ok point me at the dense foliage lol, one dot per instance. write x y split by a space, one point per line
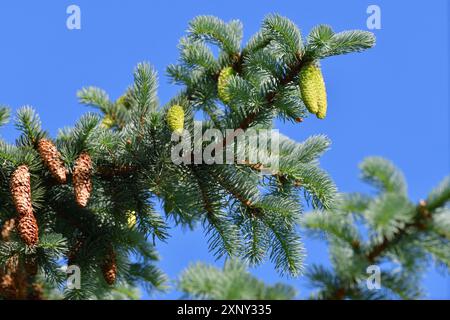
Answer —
72 198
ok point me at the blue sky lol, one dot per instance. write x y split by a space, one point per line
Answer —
390 101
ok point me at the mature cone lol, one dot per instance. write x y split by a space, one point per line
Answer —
109 268
82 182
8 288
28 229
12 265
312 87
74 250
222 83
13 282
175 118
7 228
21 285
52 159
21 190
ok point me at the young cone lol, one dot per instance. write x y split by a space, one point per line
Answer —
109 268
175 118
222 83
131 219
312 87
107 122
82 182
52 159
124 100
20 186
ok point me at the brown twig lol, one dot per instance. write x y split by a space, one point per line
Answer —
246 202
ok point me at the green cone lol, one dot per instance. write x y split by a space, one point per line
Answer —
312 87
175 118
222 82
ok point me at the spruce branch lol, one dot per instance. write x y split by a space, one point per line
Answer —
201 281
124 156
399 232
5 113
374 255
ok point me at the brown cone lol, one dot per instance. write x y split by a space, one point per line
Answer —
13 280
20 186
52 159
36 292
73 252
8 288
82 183
109 269
13 283
28 229
21 284
12 265
8 227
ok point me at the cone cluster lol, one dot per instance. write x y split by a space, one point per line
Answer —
175 118
52 159
14 282
312 87
224 77
20 186
109 268
82 182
